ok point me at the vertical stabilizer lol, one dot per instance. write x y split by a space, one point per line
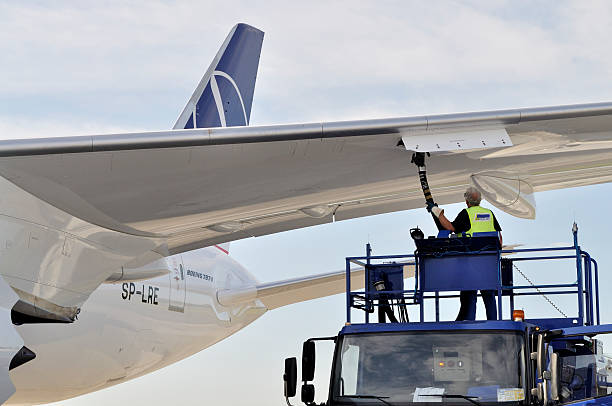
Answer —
224 96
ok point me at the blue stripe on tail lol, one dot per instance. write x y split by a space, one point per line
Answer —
225 94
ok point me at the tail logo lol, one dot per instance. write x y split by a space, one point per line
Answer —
217 95
224 95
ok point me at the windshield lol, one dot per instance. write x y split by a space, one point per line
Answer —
424 367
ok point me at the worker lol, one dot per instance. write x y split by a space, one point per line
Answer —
474 219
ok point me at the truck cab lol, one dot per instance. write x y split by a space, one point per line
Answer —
511 360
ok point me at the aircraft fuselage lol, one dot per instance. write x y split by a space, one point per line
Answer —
128 329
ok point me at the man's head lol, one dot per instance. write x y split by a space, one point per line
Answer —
472 196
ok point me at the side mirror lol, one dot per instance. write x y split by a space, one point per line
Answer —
554 376
308 393
308 361
290 377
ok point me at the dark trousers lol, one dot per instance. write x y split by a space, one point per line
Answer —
467 311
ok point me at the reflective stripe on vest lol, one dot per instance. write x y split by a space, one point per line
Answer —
481 220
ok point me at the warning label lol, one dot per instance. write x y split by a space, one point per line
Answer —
510 394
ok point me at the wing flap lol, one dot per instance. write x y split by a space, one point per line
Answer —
465 139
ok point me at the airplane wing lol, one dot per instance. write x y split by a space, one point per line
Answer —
199 187
282 293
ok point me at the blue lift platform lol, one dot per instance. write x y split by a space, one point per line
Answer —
442 265
514 360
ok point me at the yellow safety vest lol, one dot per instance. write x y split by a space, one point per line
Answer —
481 220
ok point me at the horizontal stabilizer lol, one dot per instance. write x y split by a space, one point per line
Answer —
289 291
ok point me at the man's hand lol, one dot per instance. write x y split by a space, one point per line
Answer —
430 205
437 211
433 208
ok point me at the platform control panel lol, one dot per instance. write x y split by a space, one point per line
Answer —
452 363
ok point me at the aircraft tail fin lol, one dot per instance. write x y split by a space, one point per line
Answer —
224 96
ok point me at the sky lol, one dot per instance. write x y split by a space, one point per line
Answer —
90 67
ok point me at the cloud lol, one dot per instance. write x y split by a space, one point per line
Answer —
320 61
17 128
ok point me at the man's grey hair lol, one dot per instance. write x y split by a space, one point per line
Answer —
472 196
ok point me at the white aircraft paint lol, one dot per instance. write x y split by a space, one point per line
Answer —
56 256
119 336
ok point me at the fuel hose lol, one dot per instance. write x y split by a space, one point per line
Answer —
418 158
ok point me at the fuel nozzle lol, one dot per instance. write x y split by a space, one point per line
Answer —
418 158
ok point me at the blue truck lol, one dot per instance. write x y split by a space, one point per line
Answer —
512 360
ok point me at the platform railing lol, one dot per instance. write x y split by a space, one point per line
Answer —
586 287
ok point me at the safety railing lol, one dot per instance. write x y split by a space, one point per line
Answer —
384 279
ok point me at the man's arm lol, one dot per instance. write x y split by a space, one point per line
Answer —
498 229
444 222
